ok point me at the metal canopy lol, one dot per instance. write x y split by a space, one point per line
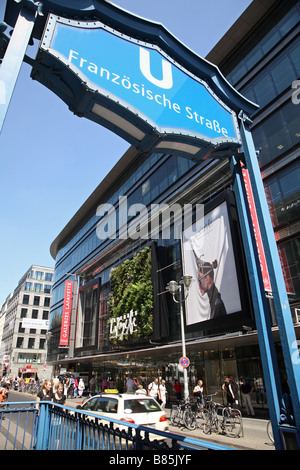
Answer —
57 75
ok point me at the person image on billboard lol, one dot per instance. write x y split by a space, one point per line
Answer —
207 286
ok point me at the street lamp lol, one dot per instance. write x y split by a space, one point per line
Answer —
183 287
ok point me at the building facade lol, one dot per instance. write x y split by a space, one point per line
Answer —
26 314
124 321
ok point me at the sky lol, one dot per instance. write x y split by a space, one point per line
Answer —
51 161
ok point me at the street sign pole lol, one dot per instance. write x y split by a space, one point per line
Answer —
13 58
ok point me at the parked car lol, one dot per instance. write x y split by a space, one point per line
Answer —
136 409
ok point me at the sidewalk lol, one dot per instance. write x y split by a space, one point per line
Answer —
254 432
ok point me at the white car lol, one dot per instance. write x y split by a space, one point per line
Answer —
136 409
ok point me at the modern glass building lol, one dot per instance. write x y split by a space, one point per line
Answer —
123 320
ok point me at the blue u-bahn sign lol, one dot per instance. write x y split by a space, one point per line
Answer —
142 80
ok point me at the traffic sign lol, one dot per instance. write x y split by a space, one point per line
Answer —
184 361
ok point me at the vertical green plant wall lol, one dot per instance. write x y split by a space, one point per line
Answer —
132 290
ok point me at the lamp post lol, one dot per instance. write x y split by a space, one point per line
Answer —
183 287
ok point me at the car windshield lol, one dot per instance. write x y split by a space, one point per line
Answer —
141 405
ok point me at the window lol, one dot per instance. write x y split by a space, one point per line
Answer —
21 329
289 253
36 300
38 287
34 313
38 275
25 299
47 302
28 286
31 342
42 343
283 196
47 289
49 277
278 133
277 77
45 315
23 312
20 341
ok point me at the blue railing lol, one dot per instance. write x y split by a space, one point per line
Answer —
57 427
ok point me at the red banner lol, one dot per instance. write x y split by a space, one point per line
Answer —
258 239
66 316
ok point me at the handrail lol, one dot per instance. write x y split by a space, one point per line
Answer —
51 415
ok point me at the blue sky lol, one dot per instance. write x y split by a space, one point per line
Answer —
51 160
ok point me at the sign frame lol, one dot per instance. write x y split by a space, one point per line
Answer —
123 118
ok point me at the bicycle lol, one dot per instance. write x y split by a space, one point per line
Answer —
182 415
219 417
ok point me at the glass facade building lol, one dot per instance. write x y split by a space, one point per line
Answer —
262 67
266 69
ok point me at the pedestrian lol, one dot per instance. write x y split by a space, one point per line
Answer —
140 390
46 393
177 389
259 388
55 383
75 387
246 389
227 388
66 383
4 391
81 387
130 386
153 389
92 385
163 394
198 394
104 385
58 395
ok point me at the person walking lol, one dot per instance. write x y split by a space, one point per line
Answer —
81 387
162 394
227 388
246 389
46 394
153 389
177 389
198 394
130 386
58 395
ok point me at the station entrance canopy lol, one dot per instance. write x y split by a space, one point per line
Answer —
134 77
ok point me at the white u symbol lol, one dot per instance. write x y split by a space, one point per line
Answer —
167 80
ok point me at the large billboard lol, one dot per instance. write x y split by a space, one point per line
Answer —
208 256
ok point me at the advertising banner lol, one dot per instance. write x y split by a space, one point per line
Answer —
208 256
66 315
257 234
35 323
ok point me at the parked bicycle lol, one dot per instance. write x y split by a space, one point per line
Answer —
182 415
220 418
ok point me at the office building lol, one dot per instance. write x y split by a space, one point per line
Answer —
26 314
